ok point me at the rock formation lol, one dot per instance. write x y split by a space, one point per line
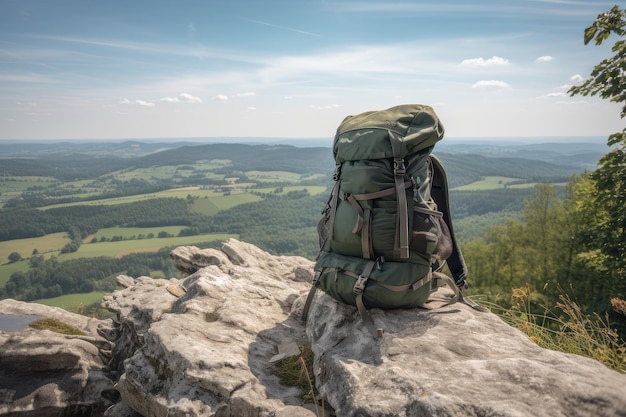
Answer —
45 373
208 345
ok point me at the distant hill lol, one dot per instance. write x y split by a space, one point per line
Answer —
465 162
248 157
583 155
465 168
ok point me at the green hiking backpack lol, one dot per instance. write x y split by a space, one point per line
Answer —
385 233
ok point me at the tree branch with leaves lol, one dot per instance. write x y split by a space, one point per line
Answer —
608 81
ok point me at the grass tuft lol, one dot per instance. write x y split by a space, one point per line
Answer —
297 371
570 331
56 326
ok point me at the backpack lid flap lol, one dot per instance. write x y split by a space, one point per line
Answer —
376 134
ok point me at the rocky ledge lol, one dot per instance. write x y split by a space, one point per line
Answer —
209 344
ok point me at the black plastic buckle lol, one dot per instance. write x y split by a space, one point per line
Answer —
399 169
359 286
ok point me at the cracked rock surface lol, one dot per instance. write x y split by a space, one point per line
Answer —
205 344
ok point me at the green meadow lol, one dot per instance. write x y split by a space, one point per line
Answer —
132 232
312 189
73 302
125 247
45 244
494 183
6 270
52 244
273 176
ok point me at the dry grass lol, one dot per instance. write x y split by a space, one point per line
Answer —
297 371
571 330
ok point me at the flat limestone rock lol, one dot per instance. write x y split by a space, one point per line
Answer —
454 361
44 373
207 344
207 352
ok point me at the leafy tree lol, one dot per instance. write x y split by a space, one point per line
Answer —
608 77
20 280
15 257
608 81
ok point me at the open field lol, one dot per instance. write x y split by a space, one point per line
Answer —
50 243
72 302
125 247
110 249
7 270
273 176
132 232
494 183
312 189
222 201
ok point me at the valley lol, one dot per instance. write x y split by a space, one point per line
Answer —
113 201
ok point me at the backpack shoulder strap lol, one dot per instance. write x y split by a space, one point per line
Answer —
440 195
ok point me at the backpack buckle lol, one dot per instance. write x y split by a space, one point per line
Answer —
398 167
359 286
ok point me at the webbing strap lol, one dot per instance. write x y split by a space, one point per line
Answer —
450 282
396 288
359 287
403 213
363 223
367 245
376 194
379 194
311 296
358 226
363 226
333 209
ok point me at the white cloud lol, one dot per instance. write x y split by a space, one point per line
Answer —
221 97
246 94
182 98
545 58
144 103
490 84
139 102
552 95
252 108
576 78
565 87
494 61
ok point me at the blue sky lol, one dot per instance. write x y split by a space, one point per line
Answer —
295 68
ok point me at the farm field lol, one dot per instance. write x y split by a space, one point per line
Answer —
110 249
72 302
311 189
125 247
45 244
7 269
494 183
131 233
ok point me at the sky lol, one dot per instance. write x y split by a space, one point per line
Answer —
146 69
